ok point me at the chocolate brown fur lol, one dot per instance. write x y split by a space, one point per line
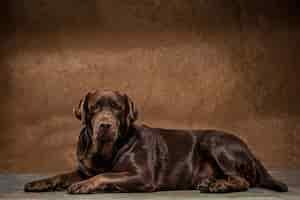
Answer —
117 156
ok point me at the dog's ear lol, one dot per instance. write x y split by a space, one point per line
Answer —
77 110
84 141
81 110
131 110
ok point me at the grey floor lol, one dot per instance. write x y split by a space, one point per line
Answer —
11 187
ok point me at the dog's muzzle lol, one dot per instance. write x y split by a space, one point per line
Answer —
105 126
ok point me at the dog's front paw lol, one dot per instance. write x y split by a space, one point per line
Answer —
83 187
38 186
219 187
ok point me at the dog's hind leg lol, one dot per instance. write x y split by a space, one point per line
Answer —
230 184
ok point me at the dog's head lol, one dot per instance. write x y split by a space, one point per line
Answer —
105 117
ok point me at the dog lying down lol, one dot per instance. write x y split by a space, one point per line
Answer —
115 155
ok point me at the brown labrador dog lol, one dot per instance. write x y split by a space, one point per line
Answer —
117 156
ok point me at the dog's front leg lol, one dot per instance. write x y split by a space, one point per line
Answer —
55 183
118 182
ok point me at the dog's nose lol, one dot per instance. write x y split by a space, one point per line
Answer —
105 126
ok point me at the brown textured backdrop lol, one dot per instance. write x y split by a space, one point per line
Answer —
231 65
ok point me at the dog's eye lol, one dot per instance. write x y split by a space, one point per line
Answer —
115 105
95 109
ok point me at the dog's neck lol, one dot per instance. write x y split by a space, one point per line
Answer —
95 163
123 138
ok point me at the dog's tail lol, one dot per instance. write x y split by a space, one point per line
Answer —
265 180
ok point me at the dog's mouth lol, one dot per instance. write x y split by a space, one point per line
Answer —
106 135
106 140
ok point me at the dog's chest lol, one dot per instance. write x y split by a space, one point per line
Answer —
93 166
